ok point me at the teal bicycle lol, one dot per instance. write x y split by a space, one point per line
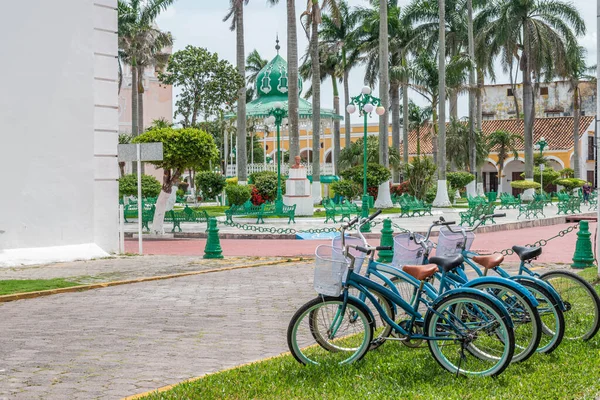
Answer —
468 331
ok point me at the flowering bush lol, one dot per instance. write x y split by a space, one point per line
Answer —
256 198
399 189
373 191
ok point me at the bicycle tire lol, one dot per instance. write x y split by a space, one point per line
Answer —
550 314
577 311
494 337
527 323
346 347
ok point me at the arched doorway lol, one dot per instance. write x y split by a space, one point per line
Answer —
306 155
489 177
512 172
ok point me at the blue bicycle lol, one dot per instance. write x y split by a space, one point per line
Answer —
468 331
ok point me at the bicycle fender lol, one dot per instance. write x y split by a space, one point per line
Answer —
463 290
517 287
545 285
367 308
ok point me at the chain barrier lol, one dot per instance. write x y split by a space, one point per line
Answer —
541 242
289 231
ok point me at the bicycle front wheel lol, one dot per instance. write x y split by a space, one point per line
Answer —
582 315
325 330
473 336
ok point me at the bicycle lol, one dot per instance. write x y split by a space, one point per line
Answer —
580 302
468 331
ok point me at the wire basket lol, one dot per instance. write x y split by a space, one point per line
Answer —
359 256
331 268
406 251
451 243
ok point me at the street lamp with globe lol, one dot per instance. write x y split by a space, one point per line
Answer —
541 145
277 115
365 103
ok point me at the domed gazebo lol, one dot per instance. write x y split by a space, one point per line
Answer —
271 89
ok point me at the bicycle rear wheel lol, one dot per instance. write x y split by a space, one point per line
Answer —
323 332
527 324
582 316
381 329
474 337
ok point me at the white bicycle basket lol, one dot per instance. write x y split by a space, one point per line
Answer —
331 268
406 251
359 256
451 243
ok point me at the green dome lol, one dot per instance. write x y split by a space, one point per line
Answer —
272 80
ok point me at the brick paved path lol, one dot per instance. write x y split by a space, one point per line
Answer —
124 340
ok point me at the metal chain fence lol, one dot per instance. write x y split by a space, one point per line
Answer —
541 242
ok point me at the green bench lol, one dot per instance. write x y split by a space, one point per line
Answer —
130 211
593 201
545 198
269 209
507 200
148 217
344 209
532 209
265 209
474 200
176 217
411 206
246 209
572 205
473 214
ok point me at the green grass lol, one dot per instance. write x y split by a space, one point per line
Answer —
213 211
33 285
394 371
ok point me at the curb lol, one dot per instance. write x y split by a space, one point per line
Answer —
197 378
81 288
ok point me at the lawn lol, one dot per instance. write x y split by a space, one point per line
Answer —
33 285
394 371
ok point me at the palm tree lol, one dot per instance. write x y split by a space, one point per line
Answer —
137 37
577 71
537 35
338 36
459 146
472 135
417 118
236 14
311 19
353 155
254 64
503 143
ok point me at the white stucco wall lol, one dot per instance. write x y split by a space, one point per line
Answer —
58 118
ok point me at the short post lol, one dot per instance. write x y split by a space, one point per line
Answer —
584 256
213 244
387 239
121 229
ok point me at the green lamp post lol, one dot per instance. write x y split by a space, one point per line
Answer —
366 104
541 145
276 116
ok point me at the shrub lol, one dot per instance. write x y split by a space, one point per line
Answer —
255 175
346 188
238 194
550 175
180 193
419 173
266 184
431 193
376 175
232 181
256 198
399 189
459 180
151 187
570 183
567 173
525 185
211 184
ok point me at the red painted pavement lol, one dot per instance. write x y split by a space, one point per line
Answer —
557 250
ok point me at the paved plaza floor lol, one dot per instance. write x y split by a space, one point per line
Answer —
123 340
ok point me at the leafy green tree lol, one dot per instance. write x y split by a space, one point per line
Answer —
503 143
420 172
353 155
376 175
210 183
182 149
348 189
141 45
128 186
570 183
238 194
254 64
459 180
458 144
206 83
550 176
417 118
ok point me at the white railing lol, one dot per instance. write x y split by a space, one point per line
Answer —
326 169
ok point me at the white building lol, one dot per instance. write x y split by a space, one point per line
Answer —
59 123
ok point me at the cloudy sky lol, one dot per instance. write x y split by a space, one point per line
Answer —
200 23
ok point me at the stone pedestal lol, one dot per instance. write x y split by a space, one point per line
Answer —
297 191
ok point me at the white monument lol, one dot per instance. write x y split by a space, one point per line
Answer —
297 190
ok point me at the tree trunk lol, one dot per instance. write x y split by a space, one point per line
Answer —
433 135
527 106
122 169
478 99
336 126
405 121
441 197
472 83
241 159
395 109
161 203
453 104
293 95
347 126
140 83
134 108
316 105
576 114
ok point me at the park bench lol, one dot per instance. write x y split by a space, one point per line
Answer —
545 198
176 217
130 211
507 200
572 205
148 217
474 200
474 214
411 206
269 209
246 209
345 209
593 201
532 209
561 196
192 215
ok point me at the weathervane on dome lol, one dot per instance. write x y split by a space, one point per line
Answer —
277 47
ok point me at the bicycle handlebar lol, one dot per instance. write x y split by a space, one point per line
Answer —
376 213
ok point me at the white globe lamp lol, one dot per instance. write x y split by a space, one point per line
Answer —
368 108
351 108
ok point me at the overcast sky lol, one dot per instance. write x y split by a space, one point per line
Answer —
199 23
